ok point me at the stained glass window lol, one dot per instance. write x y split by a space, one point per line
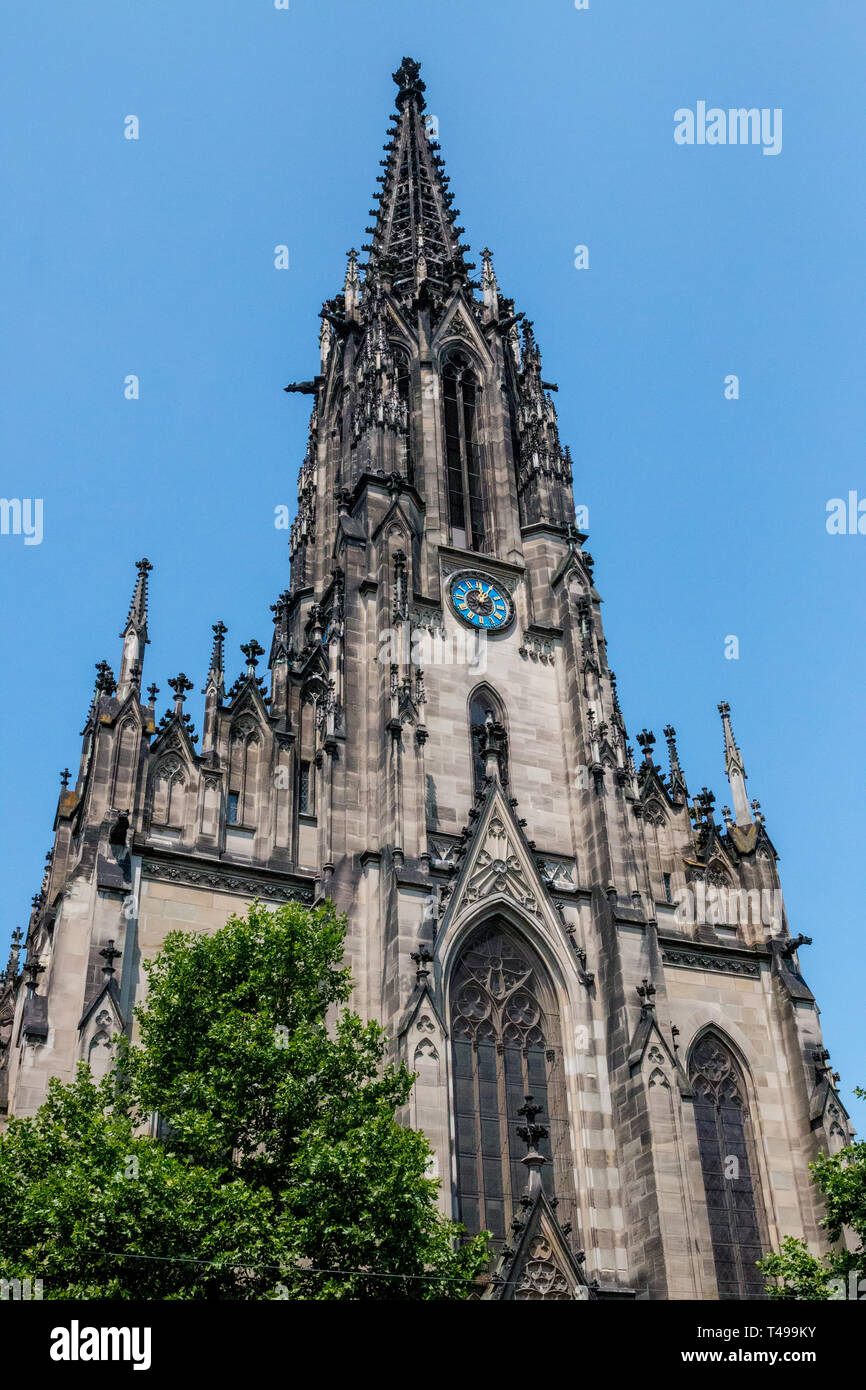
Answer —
506 1044
728 1158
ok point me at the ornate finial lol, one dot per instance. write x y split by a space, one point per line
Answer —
530 1132
152 692
646 738
646 990
110 954
33 970
410 84
105 682
705 801
252 651
64 778
422 958
180 684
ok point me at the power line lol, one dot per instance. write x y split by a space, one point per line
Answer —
301 1269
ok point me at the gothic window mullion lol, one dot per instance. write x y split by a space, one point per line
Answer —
479 1136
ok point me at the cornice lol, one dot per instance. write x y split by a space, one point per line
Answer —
223 878
725 960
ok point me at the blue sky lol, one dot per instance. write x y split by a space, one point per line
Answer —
261 127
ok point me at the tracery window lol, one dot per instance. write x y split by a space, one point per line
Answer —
729 1162
463 453
506 1044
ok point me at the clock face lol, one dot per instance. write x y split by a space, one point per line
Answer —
481 602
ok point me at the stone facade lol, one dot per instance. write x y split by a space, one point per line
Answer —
522 895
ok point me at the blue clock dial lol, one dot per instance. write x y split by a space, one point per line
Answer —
481 602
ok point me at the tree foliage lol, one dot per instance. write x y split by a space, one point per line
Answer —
280 1142
95 1210
793 1272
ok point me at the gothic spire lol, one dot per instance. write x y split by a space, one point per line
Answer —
134 634
489 286
414 238
735 770
677 780
214 689
216 673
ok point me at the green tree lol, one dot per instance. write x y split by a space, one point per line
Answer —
281 1157
794 1273
96 1211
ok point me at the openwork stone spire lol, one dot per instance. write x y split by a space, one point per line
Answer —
415 239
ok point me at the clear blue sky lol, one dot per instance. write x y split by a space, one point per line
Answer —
259 127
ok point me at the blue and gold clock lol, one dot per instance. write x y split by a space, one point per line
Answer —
481 602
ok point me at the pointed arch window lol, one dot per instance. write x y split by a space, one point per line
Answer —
728 1156
168 793
243 774
506 1043
403 383
486 722
461 393
99 1056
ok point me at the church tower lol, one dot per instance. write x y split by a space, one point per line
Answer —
619 1063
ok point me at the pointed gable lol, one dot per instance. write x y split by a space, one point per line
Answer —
540 1265
498 865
